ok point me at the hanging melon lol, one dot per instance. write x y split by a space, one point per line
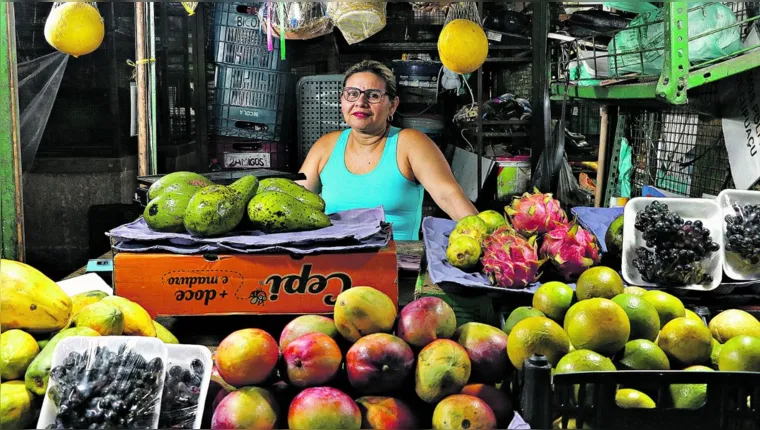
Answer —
74 28
462 46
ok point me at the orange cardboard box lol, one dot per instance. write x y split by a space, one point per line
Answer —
225 284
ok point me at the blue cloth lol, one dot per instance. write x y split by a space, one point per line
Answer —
385 186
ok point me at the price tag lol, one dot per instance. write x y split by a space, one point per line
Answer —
247 160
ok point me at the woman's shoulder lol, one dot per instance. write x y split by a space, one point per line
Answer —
326 143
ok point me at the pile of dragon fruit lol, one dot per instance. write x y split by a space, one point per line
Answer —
538 231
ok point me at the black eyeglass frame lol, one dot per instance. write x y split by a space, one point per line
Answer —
366 93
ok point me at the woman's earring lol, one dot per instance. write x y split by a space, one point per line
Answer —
390 118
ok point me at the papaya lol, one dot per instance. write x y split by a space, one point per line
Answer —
214 211
83 299
16 410
167 212
178 182
30 300
164 334
360 311
246 186
277 212
17 350
137 321
38 373
104 318
290 187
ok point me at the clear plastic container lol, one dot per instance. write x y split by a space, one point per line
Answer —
704 210
111 379
733 265
182 407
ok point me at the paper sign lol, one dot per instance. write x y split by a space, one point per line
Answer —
741 127
247 160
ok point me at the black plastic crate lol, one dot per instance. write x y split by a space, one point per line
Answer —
251 103
732 399
240 40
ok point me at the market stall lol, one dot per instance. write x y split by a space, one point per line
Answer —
585 287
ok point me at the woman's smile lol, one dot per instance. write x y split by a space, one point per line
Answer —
361 115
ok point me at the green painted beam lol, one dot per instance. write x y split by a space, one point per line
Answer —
646 90
11 205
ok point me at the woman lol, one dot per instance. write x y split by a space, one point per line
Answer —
374 164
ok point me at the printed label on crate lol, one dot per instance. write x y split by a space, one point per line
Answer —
247 160
253 115
206 286
496 37
172 284
244 16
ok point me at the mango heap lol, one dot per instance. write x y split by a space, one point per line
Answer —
186 201
359 370
36 315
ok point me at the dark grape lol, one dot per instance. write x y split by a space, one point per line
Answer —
741 232
678 247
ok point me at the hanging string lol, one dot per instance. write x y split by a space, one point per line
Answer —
282 30
270 47
134 64
190 7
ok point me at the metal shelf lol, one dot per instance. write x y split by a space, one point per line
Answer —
648 90
677 77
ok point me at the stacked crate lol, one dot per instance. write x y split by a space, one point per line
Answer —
252 112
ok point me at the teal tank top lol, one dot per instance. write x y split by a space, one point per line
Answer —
384 186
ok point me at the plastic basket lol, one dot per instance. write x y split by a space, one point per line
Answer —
239 39
250 103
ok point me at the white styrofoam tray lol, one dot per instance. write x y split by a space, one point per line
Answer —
183 355
705 210
148 347
733 267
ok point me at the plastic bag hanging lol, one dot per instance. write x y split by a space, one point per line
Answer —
190 7
74 28
38 84
281 9
303 20
358 20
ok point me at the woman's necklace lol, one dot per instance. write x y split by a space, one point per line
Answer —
367 157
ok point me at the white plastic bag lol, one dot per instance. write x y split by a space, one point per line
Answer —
647 33
358 20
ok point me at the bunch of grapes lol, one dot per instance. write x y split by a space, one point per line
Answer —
677 247
106 389
743 233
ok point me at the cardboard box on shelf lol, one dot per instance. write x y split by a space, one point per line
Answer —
227 284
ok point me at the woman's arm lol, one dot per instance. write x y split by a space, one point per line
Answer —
432 170
313 164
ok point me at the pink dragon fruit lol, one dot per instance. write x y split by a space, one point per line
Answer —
571 249
535 214
510 260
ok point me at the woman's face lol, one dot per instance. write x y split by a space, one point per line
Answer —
368 113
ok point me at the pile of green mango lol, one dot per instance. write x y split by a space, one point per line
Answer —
187 201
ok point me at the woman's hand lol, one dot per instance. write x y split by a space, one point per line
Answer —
432 170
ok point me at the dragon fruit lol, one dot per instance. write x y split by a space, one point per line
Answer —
535 214
510 260
571 249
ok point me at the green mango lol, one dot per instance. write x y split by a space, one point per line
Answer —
214 210
289 187
247 186
167 212
178 182
38 373
276 212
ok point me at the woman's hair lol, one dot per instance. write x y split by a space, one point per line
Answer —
378 69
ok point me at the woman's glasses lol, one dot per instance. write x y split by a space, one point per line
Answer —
353 94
